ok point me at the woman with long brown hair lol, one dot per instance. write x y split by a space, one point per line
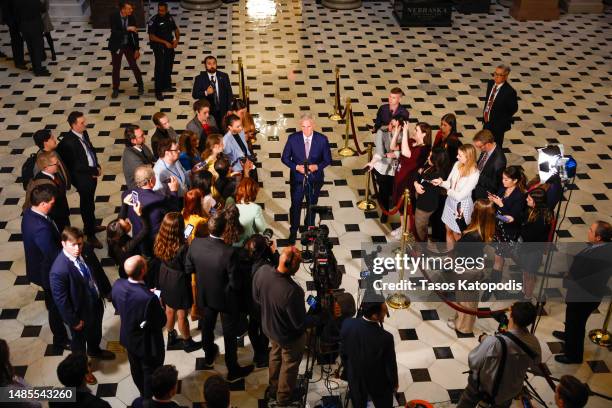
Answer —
233 230
214 148
188 143
170 248
480 231
459 185
251 215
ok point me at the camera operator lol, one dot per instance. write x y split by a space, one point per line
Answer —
283 317
258 250
499 363
368 354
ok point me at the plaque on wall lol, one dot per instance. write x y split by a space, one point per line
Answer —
423 13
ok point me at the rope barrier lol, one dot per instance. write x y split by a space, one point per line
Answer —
354 132
392 211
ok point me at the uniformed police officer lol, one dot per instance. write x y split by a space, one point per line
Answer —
161 28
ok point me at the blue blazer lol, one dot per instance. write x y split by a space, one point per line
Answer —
41 244
232 150
294 154
70 291
136 304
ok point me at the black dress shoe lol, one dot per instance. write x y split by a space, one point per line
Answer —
42 73
239 373
115 93
209 360
62 346
100 228
559 334
102 355
21 66
159 97
563 359
292 237
190 346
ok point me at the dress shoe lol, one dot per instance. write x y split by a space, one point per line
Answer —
563 359
559 334
93 241
261 363
91 379
209 360
115 93
100 228
190 346
62 346
239 373
102 355
292 237
21 66
174 343
42 73
159 96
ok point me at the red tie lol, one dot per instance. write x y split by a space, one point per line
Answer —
490 103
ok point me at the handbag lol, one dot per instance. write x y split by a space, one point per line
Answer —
196 313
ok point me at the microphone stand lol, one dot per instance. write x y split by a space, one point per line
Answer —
306 252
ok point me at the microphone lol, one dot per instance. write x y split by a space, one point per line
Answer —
305 167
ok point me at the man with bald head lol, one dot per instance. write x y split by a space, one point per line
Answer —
142 322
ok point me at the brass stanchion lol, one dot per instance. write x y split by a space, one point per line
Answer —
367 204
602 337
336 115
399 300
247 98
241 84
347 151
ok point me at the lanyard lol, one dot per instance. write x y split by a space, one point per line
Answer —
176 174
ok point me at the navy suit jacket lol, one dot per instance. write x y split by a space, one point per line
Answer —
200 85
136 304
41 244
504 107
70 291
384 115
294 154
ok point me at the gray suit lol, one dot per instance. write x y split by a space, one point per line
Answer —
133 158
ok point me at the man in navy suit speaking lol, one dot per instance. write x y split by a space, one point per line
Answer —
306 153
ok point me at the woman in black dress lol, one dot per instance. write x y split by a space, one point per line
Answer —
170 248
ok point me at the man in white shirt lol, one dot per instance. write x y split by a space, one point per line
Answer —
168 166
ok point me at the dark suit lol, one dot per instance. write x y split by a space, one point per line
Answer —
9 18
368 353
216 267
28 14
294 154
84 398
384 115
122 42
504 107
60 213
83 175
588 280
41 244
145 345
491 174
76 301
133 158
220 102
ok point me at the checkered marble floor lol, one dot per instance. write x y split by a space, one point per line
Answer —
560 70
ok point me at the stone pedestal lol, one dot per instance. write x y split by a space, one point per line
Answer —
341 4
523 10
582 6
101 11
200 4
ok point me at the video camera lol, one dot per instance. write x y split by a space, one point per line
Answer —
325 271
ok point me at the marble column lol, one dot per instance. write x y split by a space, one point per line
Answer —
200 4
341 4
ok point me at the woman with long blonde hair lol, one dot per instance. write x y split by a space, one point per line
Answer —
170 248
459 185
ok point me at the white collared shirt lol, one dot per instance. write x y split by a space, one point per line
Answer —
74 262
308 139
135 281
90 159
214 76
496 93
40 213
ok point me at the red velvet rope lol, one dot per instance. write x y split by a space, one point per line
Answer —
359 151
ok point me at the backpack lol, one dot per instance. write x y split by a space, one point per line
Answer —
27 170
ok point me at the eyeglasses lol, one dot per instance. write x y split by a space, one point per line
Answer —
495 74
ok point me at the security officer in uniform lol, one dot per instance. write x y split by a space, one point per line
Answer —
161 27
